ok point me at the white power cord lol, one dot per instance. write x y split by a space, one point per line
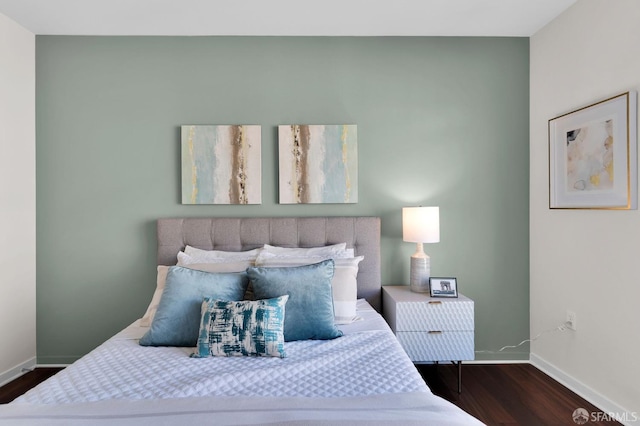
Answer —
561 327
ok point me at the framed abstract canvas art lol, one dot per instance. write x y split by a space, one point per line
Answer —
318 164
221 164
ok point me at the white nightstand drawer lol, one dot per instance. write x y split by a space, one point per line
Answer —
438 315
439 346
405 310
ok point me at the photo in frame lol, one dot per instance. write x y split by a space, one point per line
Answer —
443 287
593 156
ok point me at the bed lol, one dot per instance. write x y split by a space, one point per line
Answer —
359 376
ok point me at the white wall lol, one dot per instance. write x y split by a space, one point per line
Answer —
585 260
17 200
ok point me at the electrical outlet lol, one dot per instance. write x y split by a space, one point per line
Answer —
571 320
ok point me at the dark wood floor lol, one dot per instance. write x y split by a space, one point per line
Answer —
507 394
14 389
504 394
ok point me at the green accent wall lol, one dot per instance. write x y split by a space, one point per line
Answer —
441 121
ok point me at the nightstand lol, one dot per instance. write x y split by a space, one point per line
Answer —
431 329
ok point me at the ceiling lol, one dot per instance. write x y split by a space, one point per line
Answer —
285 17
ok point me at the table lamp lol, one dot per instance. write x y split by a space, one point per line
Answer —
420 225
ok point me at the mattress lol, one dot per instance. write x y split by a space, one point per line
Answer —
363 376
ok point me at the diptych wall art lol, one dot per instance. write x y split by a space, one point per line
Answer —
593 156
221 165
318 164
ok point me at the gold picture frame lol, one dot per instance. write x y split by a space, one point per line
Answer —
593 156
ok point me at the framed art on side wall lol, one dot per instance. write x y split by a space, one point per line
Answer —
593 156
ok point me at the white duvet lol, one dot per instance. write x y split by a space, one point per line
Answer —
362 376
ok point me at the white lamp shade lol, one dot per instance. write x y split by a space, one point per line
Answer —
421 224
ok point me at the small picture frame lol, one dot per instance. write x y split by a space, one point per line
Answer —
443 287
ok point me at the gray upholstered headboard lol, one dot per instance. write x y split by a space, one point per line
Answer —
239 234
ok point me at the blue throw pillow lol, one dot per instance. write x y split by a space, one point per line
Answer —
249 327
309 311
177 319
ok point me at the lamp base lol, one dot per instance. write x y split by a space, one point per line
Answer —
420 273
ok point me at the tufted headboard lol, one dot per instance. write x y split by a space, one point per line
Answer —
239 234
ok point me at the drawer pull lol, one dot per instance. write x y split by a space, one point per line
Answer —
435 302
435 332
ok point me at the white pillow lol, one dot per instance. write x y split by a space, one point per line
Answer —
185 259
317 256
344 284
205 255
303 252
161 278
145 321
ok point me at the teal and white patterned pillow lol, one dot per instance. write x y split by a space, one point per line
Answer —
244 328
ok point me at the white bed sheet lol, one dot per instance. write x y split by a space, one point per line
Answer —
364 375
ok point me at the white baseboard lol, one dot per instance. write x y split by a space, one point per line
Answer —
603 403
52 365
17 371
496 361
